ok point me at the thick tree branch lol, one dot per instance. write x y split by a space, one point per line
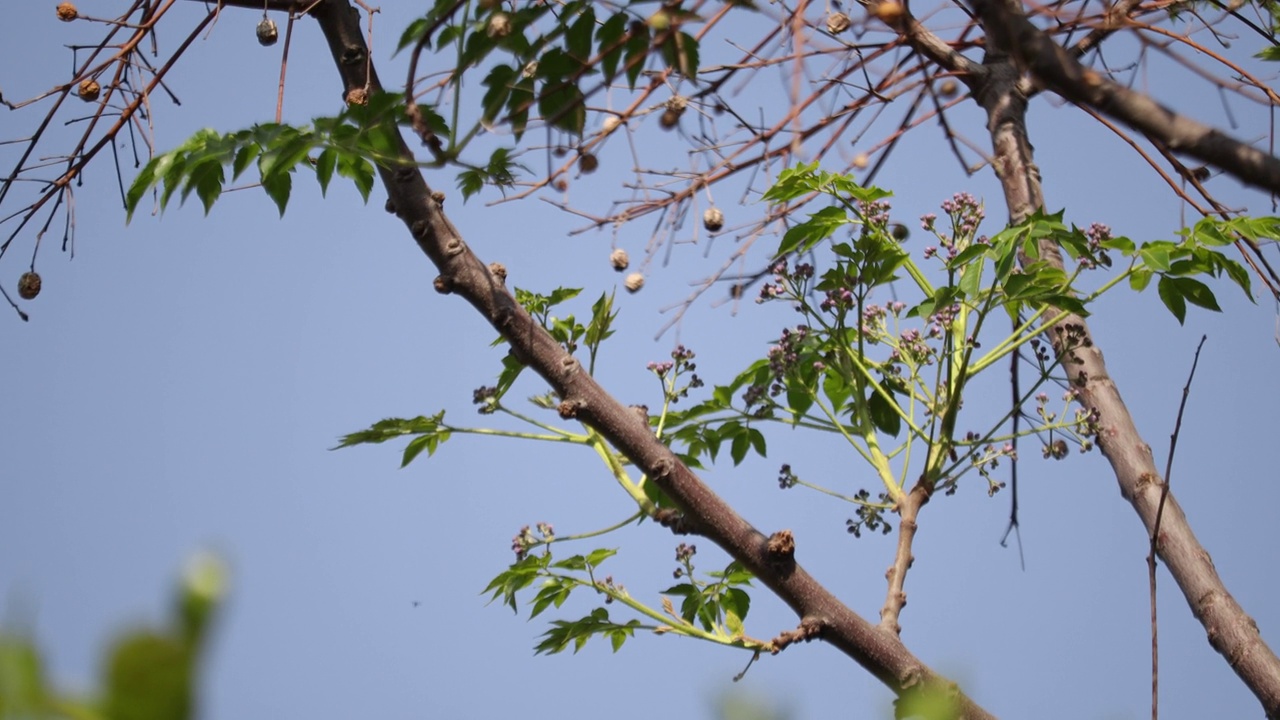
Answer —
462 273
1231 632
1009 30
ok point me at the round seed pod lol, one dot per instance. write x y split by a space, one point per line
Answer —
587 163
948 88
634 282
67 12
89 90
861 161
267 32
837 23
713 219
889 12
619 259
669 119
499 25
29 285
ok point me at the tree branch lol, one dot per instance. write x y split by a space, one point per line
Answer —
1231 631
1009 30
462 273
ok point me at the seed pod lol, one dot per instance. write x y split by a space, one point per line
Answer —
89 90
267 32
67 12
670 118
29 285
713 219
634 282
888 11
948 88
899 231
610 123
619 259
587 163
861 161
837 23
499 25
561 184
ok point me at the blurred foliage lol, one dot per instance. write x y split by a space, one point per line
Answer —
147 673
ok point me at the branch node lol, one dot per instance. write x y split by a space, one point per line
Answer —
442 284
499 271
673 520
810 629
405 174
453 247
568 409
419 229
389 206
352 55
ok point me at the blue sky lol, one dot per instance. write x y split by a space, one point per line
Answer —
182 379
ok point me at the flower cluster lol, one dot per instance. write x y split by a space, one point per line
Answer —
487 398
786 283
965 213
786 478
527 538
669 371
871 515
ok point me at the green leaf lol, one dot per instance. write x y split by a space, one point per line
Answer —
149 677
609 36
1171 295
1140 278
884 414
564 106
278 186
1196 292
324 167
577 39
821 225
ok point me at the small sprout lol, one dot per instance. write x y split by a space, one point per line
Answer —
837 22
713 219
861 161
67 12
587 163
619 259
499 25
634 282
267 32
29 285
948 88
89 90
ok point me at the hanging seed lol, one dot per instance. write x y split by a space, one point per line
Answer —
89 90
861 161
947 88
837 23
267 32
29 285
713 219
587 163
67 12
619 259
634 282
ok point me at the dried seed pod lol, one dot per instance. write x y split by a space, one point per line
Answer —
634 282
861 161
89 90
29 285
888 11
713 219
561 184
838 22
948 88
610 123
670 118
67 12
499 25
587 163
267 32
358 96
619 259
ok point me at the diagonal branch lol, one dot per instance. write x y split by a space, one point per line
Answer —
1009 29
1231 631
462 273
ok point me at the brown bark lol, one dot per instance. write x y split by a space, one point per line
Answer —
462 273
1230 630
